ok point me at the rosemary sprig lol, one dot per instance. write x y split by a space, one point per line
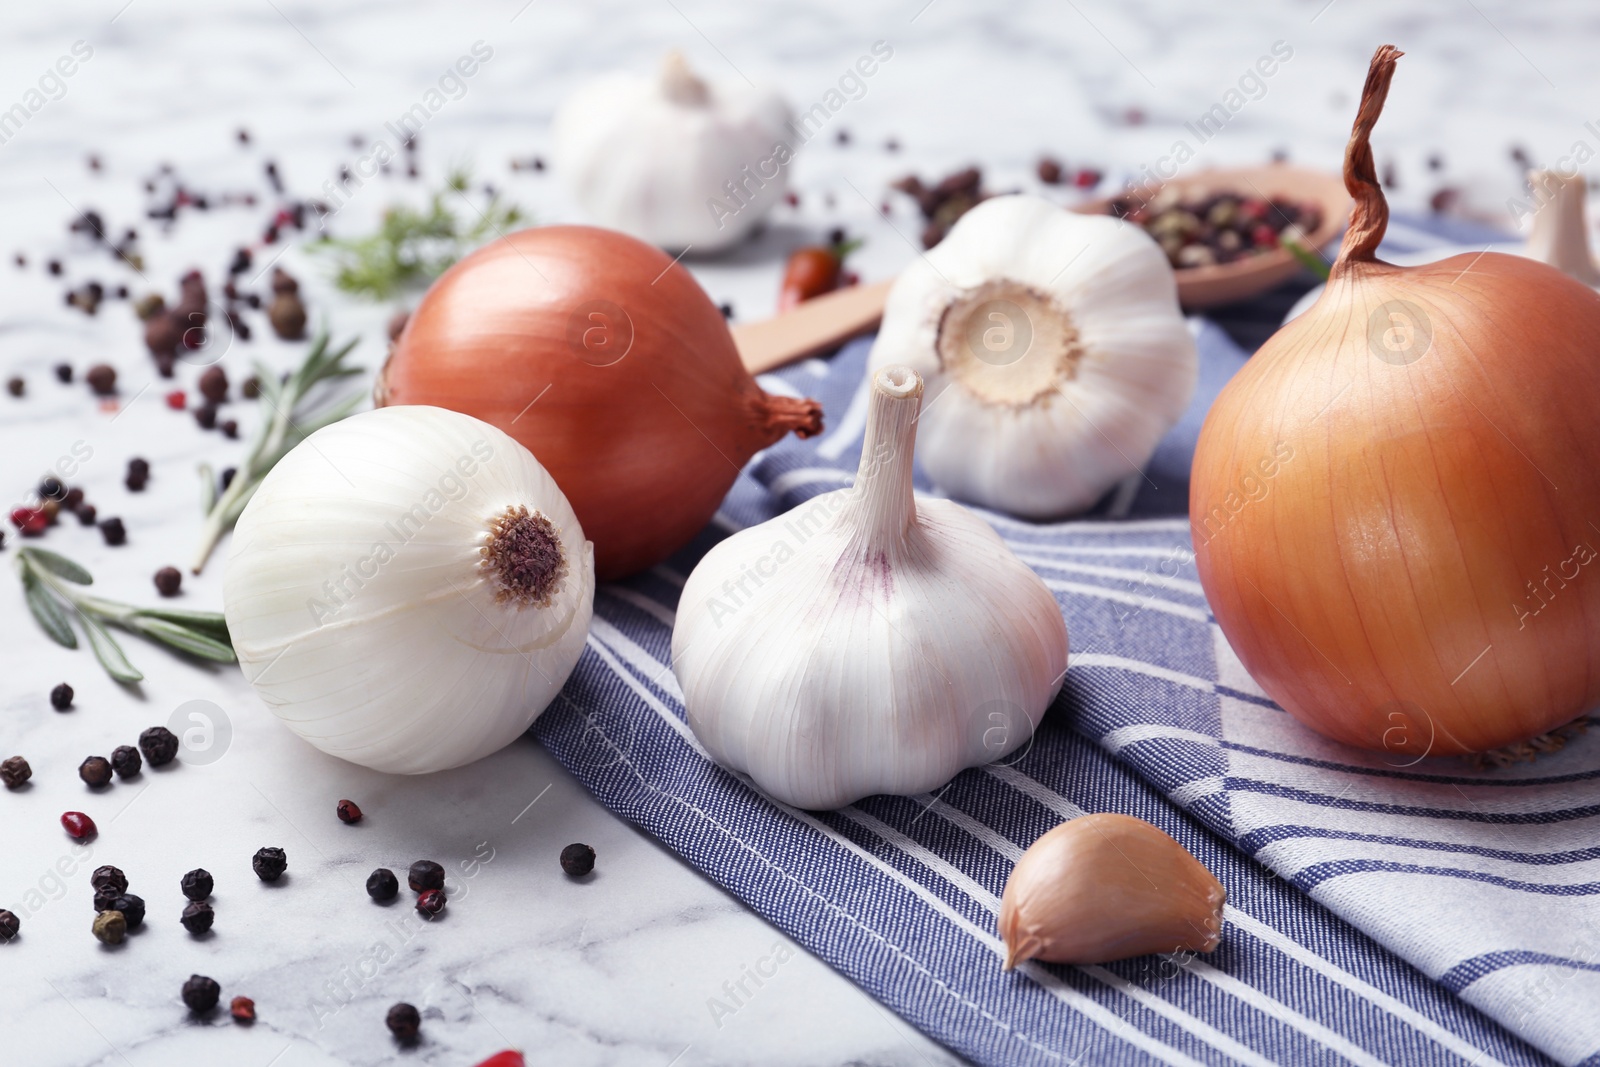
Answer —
292 418
50 583
414 246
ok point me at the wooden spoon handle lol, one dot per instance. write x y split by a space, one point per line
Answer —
817 325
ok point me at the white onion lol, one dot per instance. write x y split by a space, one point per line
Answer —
377 611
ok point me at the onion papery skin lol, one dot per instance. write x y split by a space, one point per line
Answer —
1376 583
643 416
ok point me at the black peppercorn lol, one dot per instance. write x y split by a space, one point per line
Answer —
52 489
132 909
197 917
159 745
168 581
86 514
138 474
106 899
229 428
214 384
16 386
348 812
269 864
200 993
114 532
206 416
430 903
110 927
102 379
404 1021
9 925
425 875
15 771
61 697
382 884
64 373
577 860
109 877
197 884
125 761
95 772
73 500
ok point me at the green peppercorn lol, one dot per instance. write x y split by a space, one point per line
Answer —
111 927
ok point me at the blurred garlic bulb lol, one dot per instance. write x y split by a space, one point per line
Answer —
674 160
1106 887
1054 351
408 589
1560 234
867 642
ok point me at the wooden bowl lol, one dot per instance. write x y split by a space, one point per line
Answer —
1228 283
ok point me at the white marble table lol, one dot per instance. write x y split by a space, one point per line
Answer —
623 968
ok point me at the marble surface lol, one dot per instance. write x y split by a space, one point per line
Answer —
637 964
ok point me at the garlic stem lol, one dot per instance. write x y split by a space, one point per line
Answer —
1560 234
882 509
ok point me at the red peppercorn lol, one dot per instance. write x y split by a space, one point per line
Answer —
348 812
1087 178
431 903
508 1058
1264 236
243 1010
176 400
31 521
77 825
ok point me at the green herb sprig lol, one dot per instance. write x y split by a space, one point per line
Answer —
1308 257
411 246
51 582
294 415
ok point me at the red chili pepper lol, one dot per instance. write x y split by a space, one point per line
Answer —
508 1058
77 825
810 272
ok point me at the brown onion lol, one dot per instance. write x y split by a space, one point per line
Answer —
606 359
1394 503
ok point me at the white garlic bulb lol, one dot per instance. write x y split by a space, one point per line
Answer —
408 589
867 641
1054 351
674 160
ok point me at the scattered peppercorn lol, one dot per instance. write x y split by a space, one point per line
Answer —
1049 171
197 884
61 697
77 824
16 386
197 917
176 400
577 860
727 310
50 509
425 875
138 473
269 864
287 313
382 884
14 772
251 388
53 266
95 772
132 909
159 745
110 927
106 899
430 904
243 1010
113 532
125 761
86 514
403 1022
109 877
168 581
200 993
206 416
9 925
229 428
214 384
348 812
73 500
30 522
102 379
64 373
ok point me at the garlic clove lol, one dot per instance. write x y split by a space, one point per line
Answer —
1560 234
1107 887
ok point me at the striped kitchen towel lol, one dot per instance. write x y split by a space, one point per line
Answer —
1427 914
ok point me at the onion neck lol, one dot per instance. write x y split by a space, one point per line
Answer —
778 415
1370 218
882 508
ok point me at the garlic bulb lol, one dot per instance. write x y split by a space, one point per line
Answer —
1560 234
408 589
866 642
1054 351
1107 887
674 160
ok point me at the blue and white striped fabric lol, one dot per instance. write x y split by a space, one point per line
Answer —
1435 914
